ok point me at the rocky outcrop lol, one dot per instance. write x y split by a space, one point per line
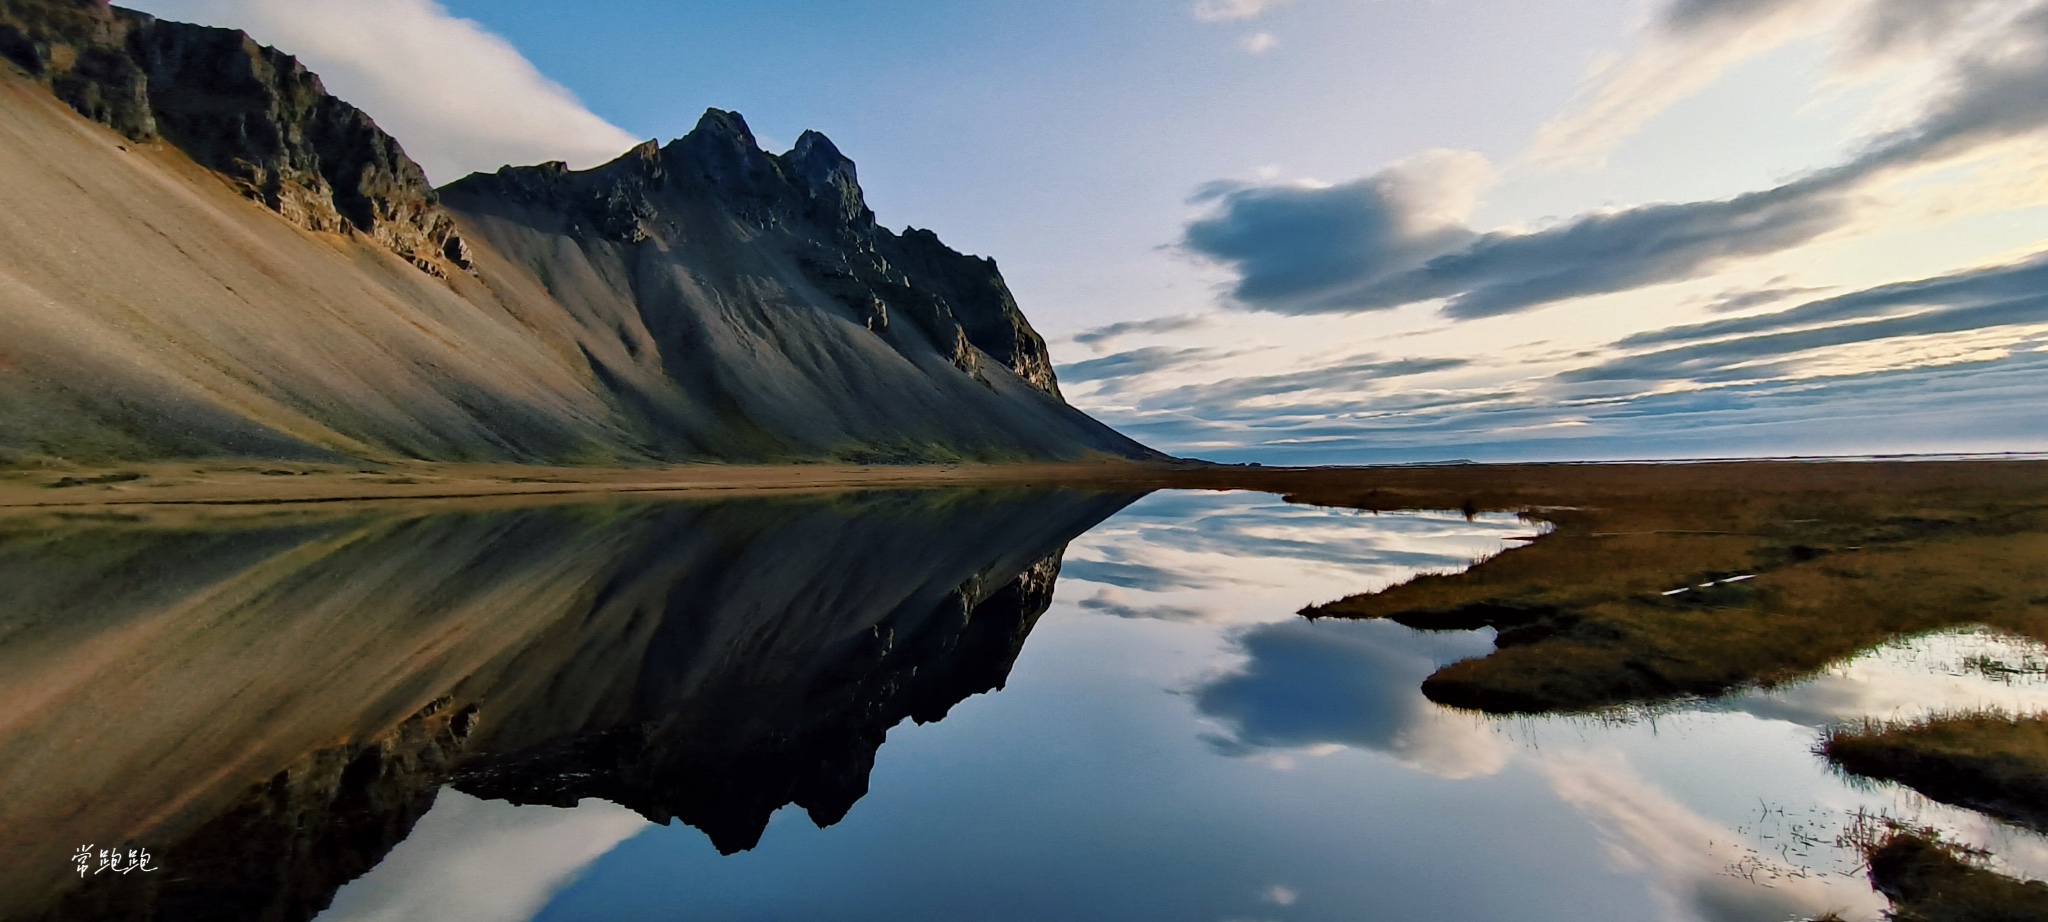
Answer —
808 204
251 113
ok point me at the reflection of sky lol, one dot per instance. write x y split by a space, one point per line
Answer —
1208 755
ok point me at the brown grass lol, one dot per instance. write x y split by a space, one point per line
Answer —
1845 557
1931 880
1994 763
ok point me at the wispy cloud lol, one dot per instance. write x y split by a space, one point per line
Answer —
1353 376
1952 362
1683 52
1235 10
1376 243
1100 336
457 96
1135 362
1261 42
1732 301
2021 288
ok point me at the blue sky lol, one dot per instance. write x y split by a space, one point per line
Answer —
1364 230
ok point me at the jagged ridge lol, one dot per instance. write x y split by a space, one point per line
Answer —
810 200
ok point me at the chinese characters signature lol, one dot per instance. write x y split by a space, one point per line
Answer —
116 860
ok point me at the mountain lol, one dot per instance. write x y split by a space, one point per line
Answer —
205 254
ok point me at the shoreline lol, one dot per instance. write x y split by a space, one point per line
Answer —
1505 487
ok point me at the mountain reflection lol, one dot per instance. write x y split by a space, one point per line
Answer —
270 703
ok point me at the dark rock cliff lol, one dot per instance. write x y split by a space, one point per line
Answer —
809 203
251 113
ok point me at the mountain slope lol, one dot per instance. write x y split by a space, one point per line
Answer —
206 255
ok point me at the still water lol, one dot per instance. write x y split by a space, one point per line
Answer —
890 706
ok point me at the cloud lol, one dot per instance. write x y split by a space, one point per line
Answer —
1905 387
458 97
1356 684
1134 362
1686 50
1351 375
1098 336
1355 247
1300 244
1385 241
1235 10
1889 27
1109 602
1142 577
1261 42
1975 300
1732 301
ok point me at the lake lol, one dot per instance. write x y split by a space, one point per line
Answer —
892 705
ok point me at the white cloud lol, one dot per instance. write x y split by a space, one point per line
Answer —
1679 56
1234 10
1261 43
458 97
1694 42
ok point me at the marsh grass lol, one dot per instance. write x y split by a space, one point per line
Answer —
1842 558
1989 761
1929 878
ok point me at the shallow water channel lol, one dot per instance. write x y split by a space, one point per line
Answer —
1171 741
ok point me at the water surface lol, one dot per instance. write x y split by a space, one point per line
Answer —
889 707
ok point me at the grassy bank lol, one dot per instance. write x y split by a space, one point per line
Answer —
1929 880
1667 581
1991 763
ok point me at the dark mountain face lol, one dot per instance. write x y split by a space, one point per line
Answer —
716 187
253 114
704 300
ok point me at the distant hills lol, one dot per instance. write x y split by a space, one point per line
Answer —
203 254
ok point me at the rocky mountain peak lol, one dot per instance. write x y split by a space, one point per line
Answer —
722 151
830 178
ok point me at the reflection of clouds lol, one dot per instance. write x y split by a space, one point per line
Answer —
1111 602
1308 685
1696 867
1908 679
1132 575
472 860
1230 553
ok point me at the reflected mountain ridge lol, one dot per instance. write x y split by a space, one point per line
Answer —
702 661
